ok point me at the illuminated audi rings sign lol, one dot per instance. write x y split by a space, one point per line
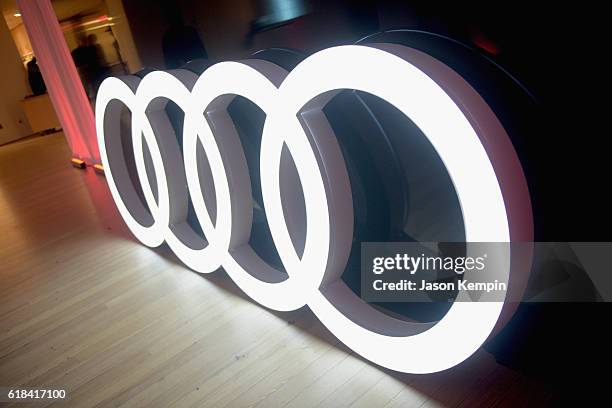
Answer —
460 126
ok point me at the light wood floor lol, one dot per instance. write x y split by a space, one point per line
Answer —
85 308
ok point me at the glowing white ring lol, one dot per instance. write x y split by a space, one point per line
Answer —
294 119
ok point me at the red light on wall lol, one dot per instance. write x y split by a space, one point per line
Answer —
485 43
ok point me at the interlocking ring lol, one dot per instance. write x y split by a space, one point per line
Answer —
458 123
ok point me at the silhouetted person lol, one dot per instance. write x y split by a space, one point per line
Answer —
35 78
89 62
181 43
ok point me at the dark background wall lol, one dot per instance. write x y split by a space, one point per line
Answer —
556 50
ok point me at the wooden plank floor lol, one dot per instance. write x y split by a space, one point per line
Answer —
85 308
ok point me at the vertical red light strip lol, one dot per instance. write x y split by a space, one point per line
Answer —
61 77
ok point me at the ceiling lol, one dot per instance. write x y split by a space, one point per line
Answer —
64 9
